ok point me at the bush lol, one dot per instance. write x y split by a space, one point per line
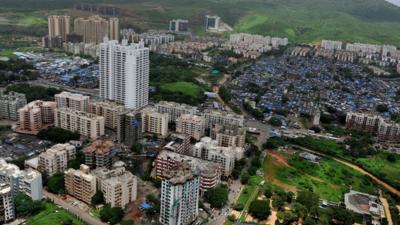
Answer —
55 184
34 92
111 215
217 197
97 198
58 135
25 206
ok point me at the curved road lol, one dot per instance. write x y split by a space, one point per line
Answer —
357 168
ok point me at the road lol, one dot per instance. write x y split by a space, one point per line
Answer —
73 209
46 83
387 210
357 168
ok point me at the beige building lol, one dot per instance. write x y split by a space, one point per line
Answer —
114 28
99 154
230 119
95 28
80 183
109 110
55 159
87 124
72 101
175 110
36 115
154 122
120 190
192 125
227 137
59 26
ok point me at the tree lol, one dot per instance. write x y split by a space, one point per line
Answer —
260 209
137 148
25 206
111 215
391 158
58 135
382 108
79 159
55 184
97 198
217 197
308 199
244 179
127 222
309 221
275 121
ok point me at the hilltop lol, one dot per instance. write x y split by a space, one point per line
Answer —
305 21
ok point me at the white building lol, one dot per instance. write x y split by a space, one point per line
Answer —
124 73
175 110
179 196
27 181
331 45
55 159
7 212
208 149
228 119
73 101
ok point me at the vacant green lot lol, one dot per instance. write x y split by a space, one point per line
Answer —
53 215
379 165
330 179
186 88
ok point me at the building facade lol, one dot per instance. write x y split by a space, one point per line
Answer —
179 197
114 28
124 73
228 119
227 137
175 110
120 190
109 110
73 101
129 127
92 29
7 209
192 125
55 159
80 183
59 26
10 104
99 154
36 115
86 124
179 25
154 122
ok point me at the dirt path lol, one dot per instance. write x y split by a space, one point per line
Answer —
387 210
357 168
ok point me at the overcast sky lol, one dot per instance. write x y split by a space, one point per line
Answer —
396 2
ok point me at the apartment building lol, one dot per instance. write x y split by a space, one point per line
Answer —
120 190
114 29
331 45
212 23
389 132
179 143
59 26
192 125
227 137
95 28
124 73
129 129
175 110
80 183
36 115
10 104
179 25
209 172
230 119
73 101
179 196
87 124
27 181
361 121
55 159
99 154
154 122
7 209
109 110
208 149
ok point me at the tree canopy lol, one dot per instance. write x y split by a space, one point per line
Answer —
217 197
260 209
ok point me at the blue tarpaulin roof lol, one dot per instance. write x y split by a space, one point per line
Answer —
145 205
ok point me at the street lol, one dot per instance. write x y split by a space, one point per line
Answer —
73 210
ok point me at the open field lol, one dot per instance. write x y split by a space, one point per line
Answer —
330 180
186 88
53 215
375 21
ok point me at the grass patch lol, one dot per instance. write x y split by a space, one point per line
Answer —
53 215
186 88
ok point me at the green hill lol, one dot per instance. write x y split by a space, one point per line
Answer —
304 21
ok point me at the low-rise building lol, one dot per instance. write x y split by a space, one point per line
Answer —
208 149
364 204
209 172
80 183
87 124
175 110
227 137
361 121
26 181
192 125
109 110
10 104
154 122
73 101
35 116
55 159
99 154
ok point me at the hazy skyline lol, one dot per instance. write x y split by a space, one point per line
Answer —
395 2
